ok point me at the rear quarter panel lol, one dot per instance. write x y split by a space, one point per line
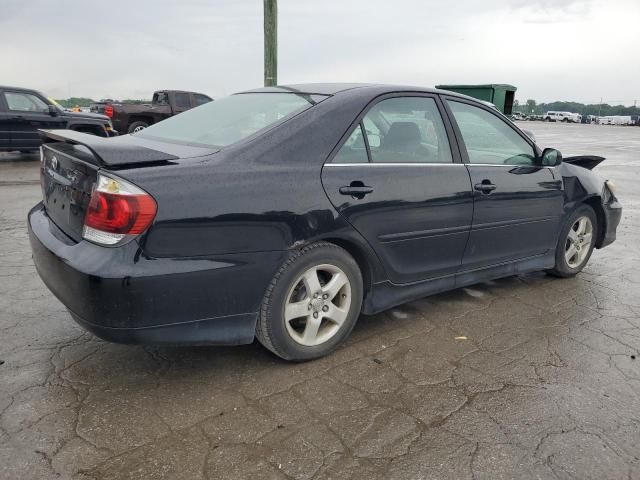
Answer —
263 194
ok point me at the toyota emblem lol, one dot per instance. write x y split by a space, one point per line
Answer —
54 163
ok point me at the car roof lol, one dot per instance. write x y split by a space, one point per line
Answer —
337 88
17 89
179 91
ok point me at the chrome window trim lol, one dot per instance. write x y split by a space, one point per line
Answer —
372 164
417 164
500 165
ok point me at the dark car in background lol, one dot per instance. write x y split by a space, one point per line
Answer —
283 213
131 117
23 112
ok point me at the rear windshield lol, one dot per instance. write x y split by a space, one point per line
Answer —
228 120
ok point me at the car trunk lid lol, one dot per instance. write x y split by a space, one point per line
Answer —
67 178
110 152
71 162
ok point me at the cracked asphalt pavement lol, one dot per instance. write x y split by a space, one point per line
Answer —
529 377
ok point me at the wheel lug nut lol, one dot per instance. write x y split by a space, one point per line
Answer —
309 307
325 296
315 314
325 308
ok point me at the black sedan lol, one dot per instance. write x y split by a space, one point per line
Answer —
283 213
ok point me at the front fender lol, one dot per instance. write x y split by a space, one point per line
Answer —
579 184
585 186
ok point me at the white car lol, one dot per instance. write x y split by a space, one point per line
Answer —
616 120
562 117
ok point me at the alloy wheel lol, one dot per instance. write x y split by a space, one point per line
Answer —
317 305
578 243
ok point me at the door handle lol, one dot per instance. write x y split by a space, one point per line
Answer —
357 190
485 187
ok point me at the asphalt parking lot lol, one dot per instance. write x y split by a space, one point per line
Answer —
529 377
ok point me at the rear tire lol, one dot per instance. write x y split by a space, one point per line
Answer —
312 303
576 242
137 126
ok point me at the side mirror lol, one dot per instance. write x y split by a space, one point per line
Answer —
551 157
53 111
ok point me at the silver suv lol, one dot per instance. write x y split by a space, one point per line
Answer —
562 117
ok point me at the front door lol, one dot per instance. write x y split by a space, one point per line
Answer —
27 113
397 181
518 203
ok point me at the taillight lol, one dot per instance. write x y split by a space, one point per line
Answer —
117 212
108 111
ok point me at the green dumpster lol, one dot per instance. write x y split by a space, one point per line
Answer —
500 95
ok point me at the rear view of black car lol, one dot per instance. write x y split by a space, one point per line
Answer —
283 213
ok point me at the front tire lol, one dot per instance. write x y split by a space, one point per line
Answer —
312 303
576 242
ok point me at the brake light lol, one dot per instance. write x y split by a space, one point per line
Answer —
117 212
108 111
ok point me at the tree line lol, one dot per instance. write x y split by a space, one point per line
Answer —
600 109
86 102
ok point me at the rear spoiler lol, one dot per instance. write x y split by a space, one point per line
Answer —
585 161
108 153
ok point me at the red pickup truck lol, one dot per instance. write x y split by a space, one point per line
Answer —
129 117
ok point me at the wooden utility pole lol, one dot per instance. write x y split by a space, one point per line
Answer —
270 43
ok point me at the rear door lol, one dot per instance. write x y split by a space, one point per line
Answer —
396 179
518 203
28 112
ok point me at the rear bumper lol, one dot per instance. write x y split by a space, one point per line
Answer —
123 296
229 330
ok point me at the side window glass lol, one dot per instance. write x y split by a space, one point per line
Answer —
24 102
354 149
200 99
373 132
488 139
182 100
161 98
407 130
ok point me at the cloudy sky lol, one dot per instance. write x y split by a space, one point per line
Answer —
550 49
